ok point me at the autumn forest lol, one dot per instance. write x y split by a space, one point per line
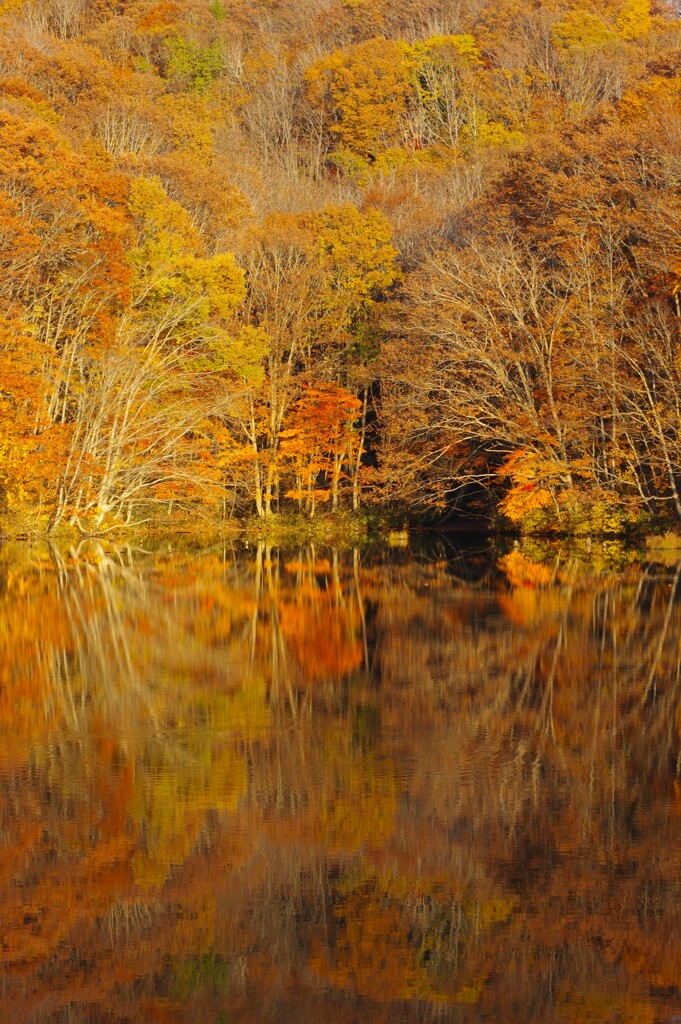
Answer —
272 256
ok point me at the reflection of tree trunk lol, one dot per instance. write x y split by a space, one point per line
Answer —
546 713
339 601
257 589
360 605
650 684
278 655
100 643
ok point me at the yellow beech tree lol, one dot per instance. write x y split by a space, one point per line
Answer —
363 91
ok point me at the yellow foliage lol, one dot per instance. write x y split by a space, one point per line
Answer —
164 225
635 19
167 260
491 134
191 125
356 250
362 90
657 94
365 91
32 450
550 493
445 49
581 30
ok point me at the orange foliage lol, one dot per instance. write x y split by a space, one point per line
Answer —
159 17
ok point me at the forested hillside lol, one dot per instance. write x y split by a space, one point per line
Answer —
260 255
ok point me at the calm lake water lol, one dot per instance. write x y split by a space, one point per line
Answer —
324 786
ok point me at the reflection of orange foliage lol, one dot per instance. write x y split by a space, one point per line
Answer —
32 625
576 1006
320 567
520 606
37 920
114 785
388 943
371 954
323 640
528 606
523 572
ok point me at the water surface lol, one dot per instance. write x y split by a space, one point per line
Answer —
329 786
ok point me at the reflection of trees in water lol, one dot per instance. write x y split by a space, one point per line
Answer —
534 737
298 780
532 685
552 759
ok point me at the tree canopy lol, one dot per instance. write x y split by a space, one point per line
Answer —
458 226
